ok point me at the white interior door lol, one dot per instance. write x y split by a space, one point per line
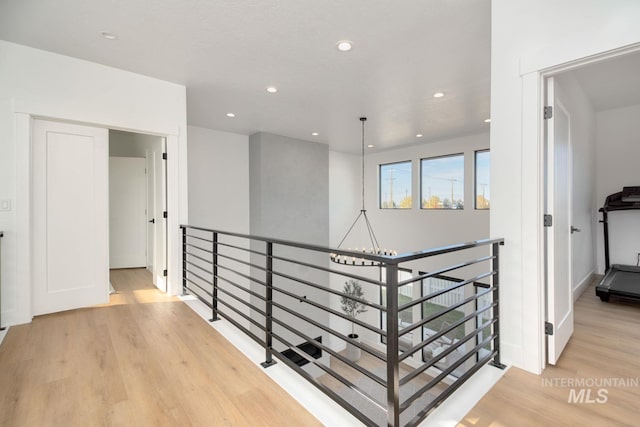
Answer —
127 217
559 205
160 253
70 216
150 208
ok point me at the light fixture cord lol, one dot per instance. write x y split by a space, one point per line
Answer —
363 119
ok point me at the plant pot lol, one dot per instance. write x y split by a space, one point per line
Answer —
353 352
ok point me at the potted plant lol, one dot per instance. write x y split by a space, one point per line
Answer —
352 305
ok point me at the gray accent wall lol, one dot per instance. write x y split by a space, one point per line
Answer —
289 199
289 181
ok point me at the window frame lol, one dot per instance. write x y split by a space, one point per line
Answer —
475 178
422 160
410 162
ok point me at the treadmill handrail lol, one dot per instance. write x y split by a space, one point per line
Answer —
614 202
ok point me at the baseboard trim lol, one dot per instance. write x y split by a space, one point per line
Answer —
582 286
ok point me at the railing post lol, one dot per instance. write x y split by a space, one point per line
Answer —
269 308
214 296
393 380
495 249
184 260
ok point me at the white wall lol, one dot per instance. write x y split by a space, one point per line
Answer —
416 229
36 83
344 205
402 230
128 144
584 216
528 36
617 167
218 180
219 196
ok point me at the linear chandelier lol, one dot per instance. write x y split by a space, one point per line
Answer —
373 245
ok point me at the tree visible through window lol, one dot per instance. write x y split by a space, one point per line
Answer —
483 182
395 186
443 182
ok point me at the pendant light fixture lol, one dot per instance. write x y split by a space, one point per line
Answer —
372 247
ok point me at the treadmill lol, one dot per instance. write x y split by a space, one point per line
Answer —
619 280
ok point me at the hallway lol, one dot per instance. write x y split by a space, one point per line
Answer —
143 359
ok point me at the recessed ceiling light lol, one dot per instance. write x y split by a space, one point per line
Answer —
419 135
230 115
370 146
438 94
487 120
108 35
344 45
315 133
272 89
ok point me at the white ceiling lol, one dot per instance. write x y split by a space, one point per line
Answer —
613 83
227 52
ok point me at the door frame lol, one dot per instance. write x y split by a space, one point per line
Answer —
24 115
534 71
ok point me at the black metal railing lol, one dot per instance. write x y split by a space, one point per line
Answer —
419 340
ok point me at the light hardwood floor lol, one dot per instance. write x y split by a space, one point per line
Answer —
144 359
605 344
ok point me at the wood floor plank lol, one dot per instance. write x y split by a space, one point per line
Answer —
605 345
143 359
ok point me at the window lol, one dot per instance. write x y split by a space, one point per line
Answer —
395 186
443 182
483 179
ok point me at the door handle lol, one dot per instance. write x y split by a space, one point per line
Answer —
575 229
152 220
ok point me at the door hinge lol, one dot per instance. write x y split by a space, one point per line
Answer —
548 220
548 112
548 328
164 214
164 156
164 273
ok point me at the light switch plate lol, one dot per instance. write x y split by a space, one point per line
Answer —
5 205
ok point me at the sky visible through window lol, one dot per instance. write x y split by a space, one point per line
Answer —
395 186
443 182
483 181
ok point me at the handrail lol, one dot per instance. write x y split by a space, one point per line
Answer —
285 293
385 259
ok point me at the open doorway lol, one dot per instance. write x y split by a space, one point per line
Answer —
137 204
600 101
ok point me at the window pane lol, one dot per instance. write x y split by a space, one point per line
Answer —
483 181
443 182
395 186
